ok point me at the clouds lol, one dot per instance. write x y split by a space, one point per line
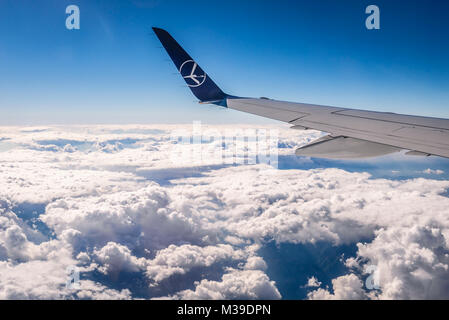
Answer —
303 206
405 263
111 201
38 271
28 270
236 284
114 258
41 183
348 287
412 263
431 171
180 259
140 219
312 282
95 291
255 263
32 280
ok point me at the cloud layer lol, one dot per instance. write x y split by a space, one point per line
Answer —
112 202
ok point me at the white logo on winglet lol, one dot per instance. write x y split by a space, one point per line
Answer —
195 80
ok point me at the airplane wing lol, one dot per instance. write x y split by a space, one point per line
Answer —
352 133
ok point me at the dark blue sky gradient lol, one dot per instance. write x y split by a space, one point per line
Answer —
113 70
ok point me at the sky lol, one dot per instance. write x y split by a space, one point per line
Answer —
113 69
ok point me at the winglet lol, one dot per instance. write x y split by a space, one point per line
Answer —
198 81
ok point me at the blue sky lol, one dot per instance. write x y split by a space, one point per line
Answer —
113 70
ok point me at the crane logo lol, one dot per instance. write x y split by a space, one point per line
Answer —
188 69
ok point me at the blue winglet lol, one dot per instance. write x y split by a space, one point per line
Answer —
198 81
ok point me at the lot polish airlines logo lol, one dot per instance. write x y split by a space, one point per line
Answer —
188 69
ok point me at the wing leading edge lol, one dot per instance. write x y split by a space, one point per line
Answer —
352 133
